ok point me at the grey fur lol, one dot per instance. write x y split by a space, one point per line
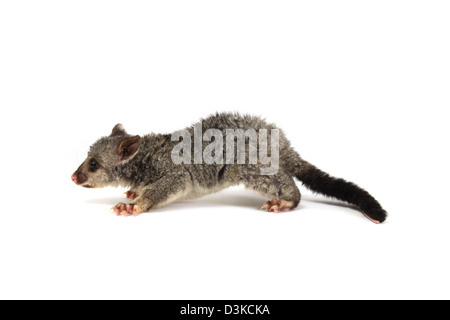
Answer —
156 181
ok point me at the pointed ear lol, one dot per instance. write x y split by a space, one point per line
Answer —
118 130
128 148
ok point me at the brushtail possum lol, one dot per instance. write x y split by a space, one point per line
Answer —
148 167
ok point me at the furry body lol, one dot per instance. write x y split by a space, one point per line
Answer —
144 165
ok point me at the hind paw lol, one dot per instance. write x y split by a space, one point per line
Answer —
277 206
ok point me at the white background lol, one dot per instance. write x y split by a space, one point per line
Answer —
360 88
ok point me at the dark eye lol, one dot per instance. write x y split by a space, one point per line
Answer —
93 165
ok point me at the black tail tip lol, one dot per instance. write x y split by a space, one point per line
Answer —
376 215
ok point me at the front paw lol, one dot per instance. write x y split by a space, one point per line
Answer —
126 209
131 194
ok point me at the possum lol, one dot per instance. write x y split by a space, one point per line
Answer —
145 165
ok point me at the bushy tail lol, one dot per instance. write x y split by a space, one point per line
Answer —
321 182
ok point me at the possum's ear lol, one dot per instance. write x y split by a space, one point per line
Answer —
128 148
118 130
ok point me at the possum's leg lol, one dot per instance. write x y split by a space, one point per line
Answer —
280 188
135 191
166 190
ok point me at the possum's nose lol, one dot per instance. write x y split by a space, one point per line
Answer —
79 178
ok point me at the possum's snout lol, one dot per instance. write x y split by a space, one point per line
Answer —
79 178
90 174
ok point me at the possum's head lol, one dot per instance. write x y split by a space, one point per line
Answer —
105 155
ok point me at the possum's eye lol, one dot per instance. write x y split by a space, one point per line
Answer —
93 165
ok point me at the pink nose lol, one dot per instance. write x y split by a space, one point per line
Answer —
74 178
